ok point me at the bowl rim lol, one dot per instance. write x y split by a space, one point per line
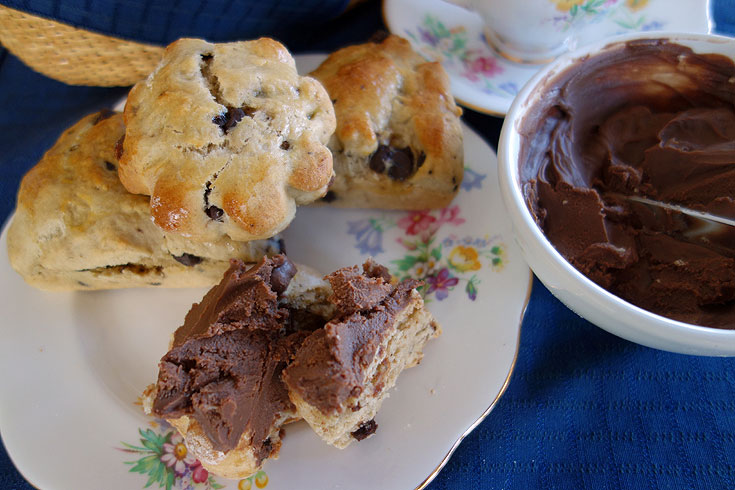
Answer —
689 338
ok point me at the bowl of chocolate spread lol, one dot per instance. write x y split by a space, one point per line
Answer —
644 116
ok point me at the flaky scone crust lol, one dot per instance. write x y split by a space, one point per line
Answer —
244 181
76 227
387 94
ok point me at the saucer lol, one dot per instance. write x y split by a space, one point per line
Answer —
484 80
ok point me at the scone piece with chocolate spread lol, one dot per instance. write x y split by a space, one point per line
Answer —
342 372
76 227
220 383
398 143
227 139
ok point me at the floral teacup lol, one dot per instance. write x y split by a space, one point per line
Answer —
537 31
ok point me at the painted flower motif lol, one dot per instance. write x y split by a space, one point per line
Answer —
440 283
652 26
464 259
199 474
176 456
163 457
497 257
566 5
369 235
509 87
428 37
261 479
636 4
472 179
450 215
486 65
419 271
416 222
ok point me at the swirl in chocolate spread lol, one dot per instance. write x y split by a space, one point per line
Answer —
649 118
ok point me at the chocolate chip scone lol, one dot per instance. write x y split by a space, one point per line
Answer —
398 143
220 383
227 139
76 227
343 371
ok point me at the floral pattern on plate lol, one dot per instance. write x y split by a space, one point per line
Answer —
626 14
433 251
470 59
163 457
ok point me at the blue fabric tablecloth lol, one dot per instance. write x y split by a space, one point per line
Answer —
584 409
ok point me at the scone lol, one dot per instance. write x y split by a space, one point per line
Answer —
76 227
227 139
398 143
342 372
220 383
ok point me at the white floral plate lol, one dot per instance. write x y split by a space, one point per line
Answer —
487 82
74 364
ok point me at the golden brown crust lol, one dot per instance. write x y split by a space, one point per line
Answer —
227 139
76 227
387 94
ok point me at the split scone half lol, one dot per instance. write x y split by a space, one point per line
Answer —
77 227
220 383
342 372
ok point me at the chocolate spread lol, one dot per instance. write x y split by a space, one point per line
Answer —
225 364
649 118
329 367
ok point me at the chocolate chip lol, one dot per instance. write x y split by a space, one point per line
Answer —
281 246
329 197
285 145
282 274
214 213
110 166
206 57
421 159
119 147
187 259
402 167
84 284
365 430
234 115
377 161
154 283
396 163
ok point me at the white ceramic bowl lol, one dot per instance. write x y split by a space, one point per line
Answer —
566 283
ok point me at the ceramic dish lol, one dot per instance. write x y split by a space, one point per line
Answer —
569 285
485 81
75 363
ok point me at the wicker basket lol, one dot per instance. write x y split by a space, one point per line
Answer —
72 55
